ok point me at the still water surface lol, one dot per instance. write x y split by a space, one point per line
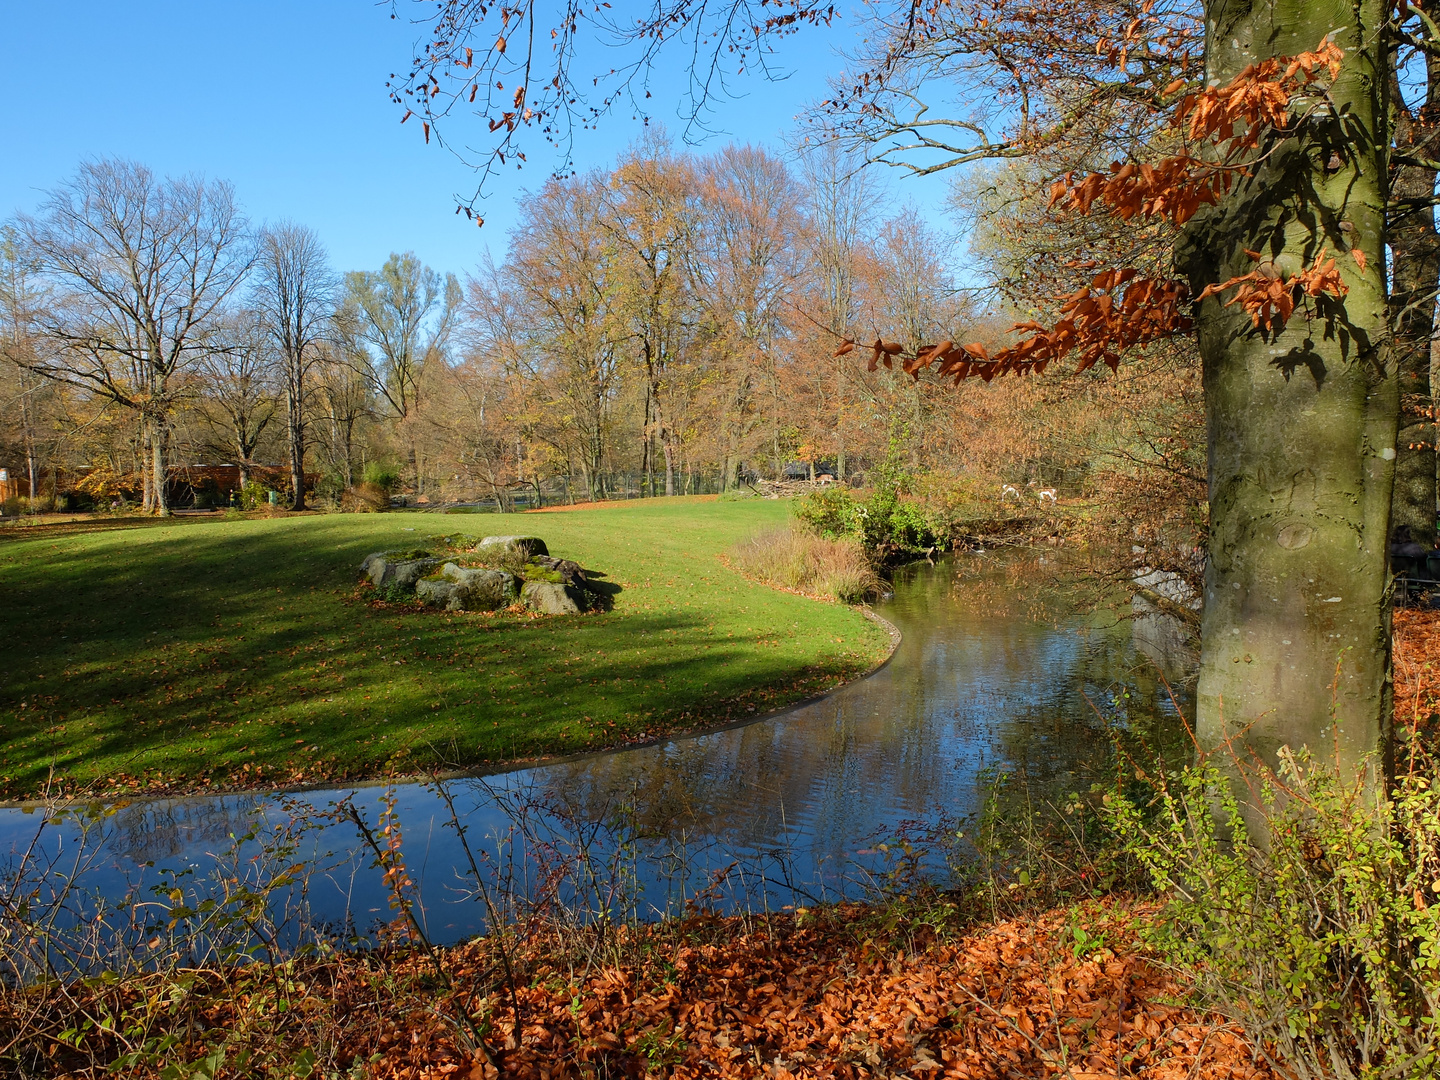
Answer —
995 675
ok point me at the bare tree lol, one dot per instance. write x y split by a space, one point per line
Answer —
240 397
142 268
400 319
345 401
649 218
294 296
744 267
841 201
550 315
22 299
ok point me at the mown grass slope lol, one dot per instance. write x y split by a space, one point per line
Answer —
243 652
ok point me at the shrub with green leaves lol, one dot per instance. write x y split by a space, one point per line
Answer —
885 524
1311 915
383 475
253 495
828 512
892 526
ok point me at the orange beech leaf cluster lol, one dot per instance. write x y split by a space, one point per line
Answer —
1258 97
1230 119
1269 299
1120 309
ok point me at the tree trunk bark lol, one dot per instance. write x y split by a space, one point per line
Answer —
160 446
32 467
349 442
1295 635
597 465
1415 251
647 449
147 473
27 427
295 422
669 453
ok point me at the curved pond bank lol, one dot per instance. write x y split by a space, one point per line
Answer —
990 679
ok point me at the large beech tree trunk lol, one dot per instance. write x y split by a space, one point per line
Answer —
1295 637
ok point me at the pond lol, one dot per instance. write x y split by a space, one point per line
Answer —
996 675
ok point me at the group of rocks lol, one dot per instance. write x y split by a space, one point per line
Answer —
541 583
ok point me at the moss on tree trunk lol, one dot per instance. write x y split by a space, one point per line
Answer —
1295 633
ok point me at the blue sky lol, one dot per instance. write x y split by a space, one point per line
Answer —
288 102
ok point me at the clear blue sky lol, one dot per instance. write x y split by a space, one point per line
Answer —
288 102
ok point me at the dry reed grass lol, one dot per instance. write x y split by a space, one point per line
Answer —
837 569
364 499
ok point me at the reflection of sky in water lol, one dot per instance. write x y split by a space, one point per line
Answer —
985 678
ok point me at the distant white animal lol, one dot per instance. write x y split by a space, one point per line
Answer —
1046 493
1009 491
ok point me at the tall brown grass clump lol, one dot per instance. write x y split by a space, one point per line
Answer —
809 564
364 499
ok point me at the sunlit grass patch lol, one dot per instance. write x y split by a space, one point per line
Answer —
245 652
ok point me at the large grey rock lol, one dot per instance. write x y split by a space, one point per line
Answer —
460 588
406 574
479 589
389 568
528 545
439 593
373 567
553 598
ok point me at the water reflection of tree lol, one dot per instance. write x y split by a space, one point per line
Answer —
991 677
164 830
1113 704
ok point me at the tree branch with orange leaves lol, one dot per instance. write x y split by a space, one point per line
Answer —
1122 309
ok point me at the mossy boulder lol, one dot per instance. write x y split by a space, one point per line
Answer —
529 546
553 598
544 568
401 569
544 584
460 588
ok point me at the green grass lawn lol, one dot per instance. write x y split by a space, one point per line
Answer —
226 653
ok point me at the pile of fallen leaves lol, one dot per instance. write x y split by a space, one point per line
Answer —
1417 669
849 991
